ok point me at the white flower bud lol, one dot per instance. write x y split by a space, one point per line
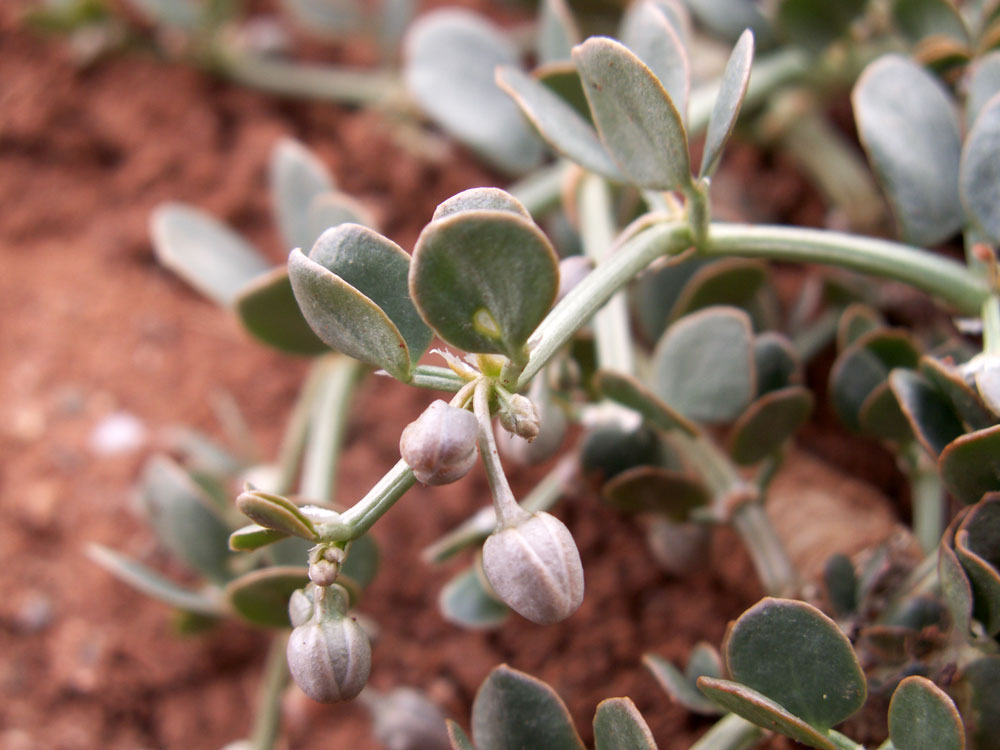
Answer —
330 656
519 416
534 567
440 446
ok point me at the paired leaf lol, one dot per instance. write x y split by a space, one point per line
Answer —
182 518
979 173
703 366
267 308
638 123
648 32
204 252
795 655
768 423
909 128
484 279
450 58
297 177
726 109
276 512
513 710
253 537
261 597
465 602
618 725
652 489
970 465
923 717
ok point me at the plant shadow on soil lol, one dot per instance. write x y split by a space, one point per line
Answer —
91 326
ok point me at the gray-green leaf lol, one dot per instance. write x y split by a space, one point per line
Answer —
923 717
727 105
979 174
464 602
618 725
261 597
648 33
268 310
297 176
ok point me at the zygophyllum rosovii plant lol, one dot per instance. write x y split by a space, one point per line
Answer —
689 432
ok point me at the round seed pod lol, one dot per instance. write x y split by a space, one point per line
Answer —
440 446
330 656
534 567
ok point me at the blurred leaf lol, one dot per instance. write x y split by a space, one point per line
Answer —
908 125
815 24
513 709
267 308
297 177
856 320
327 210
647 32
762 711
151 583
261 597
618 725
977 691
768 422
565 129
795 655
450 58
184 14
918 19
464 602
362 561
484 279
253 537
182 518
652 489
458 738
703 365
656 291
608 450
841 585
204 252
679 687
956 590
776 362
965 401
638 124
727 105
979 173
729 281
703 662
882 417
979 557
983 83
557 32
629 392
729 18
334 18
563 80
929 413
969 465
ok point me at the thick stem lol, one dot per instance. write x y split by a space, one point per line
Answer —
610 323
436 378
766 550
507 510
731 732
842 742
927 498
267 721
328 424
362 515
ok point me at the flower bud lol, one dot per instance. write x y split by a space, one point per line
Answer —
330 656
519 416
325 562
440 446
534 567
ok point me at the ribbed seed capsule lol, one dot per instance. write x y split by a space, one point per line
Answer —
534 566
330 656
440 446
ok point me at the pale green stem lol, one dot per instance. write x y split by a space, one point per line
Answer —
842 742
294 439
766 550
991 325
731 732
611 323
539 191
937 275
927 498
267 721
309 80
362 515
589 295
507 510
436 378
328 423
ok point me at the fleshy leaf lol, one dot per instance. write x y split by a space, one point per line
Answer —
983 85
729 281
910 130
463 601
814 24
918 19
152 584
261 597
955 587
762 711
703 365
565 129
362 561
204 252
929 413
618 725
977 544
456 735
450 59
768 423
970 465
628 391
657 290
841 582
795 655
332 209
639 125
966 402
679 687
557 31
923 717
856 320
977 691
652 489
729 18
481 199
181 515
513 709
297 177
776 362
727 105
253 537
267 308
276 512
484 280
647 31
882 417
979 173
